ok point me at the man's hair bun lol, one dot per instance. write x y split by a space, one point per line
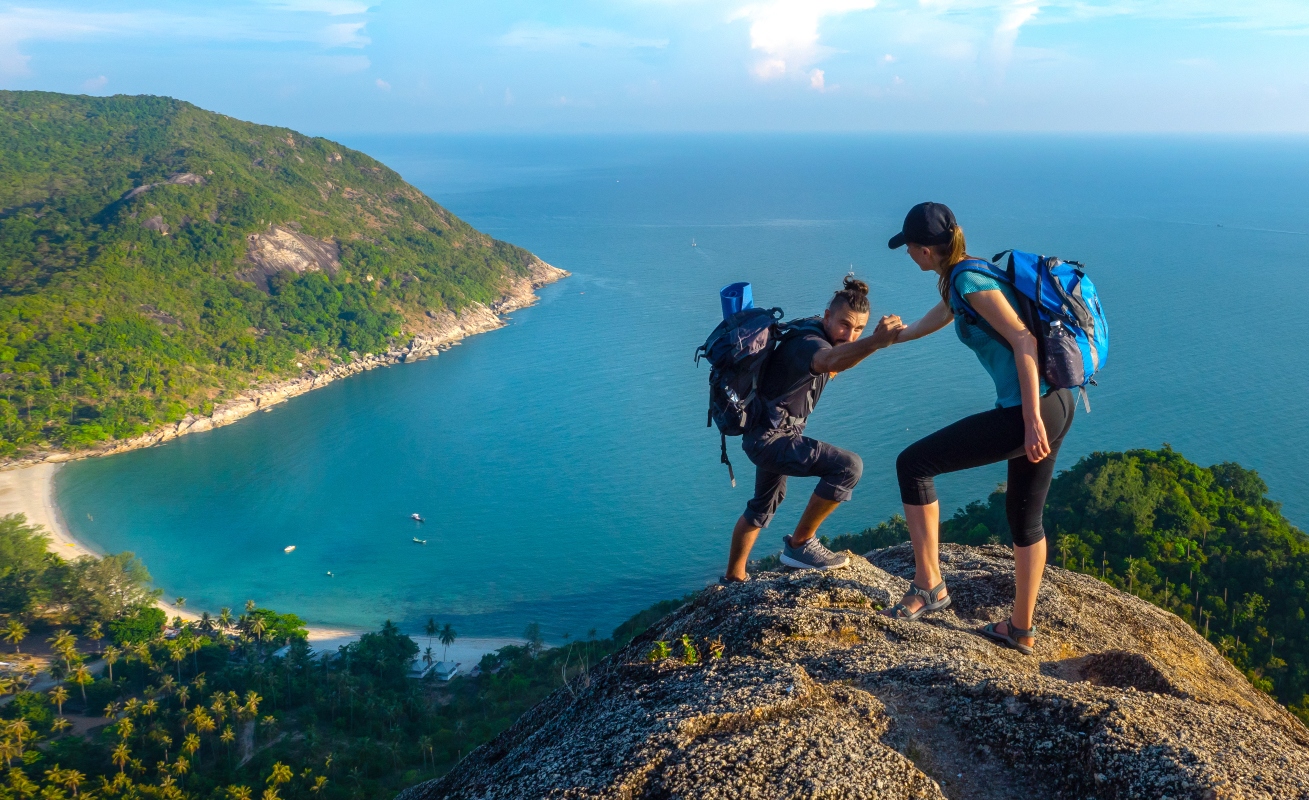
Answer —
854 295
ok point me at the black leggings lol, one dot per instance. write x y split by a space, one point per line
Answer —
995 435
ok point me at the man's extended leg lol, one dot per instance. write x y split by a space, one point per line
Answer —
769 491
743 536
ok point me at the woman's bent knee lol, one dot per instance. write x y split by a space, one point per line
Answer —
916 485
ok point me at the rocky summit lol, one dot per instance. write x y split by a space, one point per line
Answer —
792 686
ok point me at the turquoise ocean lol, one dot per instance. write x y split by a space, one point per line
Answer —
562 463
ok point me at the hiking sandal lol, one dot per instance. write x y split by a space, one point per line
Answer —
726 581
932 601
1011 638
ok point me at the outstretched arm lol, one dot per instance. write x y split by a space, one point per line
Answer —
995 309
931 322
845 356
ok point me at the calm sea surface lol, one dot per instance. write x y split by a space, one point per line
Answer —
562 463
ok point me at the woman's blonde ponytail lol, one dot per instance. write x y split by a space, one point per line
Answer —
949 254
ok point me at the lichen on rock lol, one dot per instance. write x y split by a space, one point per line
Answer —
818 696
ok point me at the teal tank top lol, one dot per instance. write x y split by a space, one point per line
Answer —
997 360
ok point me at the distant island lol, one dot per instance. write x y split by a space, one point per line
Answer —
165 269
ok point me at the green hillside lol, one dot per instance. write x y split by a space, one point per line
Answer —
124 307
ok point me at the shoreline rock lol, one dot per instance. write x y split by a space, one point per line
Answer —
817 695
439 332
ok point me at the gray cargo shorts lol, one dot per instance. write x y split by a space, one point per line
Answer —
779 454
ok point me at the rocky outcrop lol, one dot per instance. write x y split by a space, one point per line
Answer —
817 696
284 250
181 179
443 330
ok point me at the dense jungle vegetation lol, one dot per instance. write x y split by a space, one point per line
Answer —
1205 543
235 707
123 308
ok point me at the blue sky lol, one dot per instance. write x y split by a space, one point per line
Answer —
344 66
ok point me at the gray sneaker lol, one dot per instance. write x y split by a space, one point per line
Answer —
811 555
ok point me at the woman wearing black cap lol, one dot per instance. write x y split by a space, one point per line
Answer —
1025 428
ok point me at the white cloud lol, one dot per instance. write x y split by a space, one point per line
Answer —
543 37
818 80
383 85
785 32
335 8
94 84
343 34
1013 16
270 24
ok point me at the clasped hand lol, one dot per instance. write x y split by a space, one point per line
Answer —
888 330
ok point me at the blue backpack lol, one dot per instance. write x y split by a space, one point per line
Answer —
1060 307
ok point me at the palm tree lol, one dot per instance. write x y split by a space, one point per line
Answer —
319 783
447 637
225 622
60 724
177 653
180 602
72 778
121 756
59 694
15 633
428 658
1065 546
193 646
238 792
111 655
64 643
430 630
18 730
82 676
95 633
250 606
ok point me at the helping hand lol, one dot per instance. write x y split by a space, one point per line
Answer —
887 331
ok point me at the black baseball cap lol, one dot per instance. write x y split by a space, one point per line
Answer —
926 223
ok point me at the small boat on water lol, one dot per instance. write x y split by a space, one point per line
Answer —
330 575
288 548
419 541
693 243
416 518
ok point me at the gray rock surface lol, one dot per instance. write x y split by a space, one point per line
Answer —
816 696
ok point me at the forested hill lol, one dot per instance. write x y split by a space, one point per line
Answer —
156 257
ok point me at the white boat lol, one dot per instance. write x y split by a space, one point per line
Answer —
419 541
693 243
288 549
417 518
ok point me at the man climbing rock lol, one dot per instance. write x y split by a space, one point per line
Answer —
809 354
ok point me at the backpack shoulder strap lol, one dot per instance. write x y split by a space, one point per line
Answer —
958 304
